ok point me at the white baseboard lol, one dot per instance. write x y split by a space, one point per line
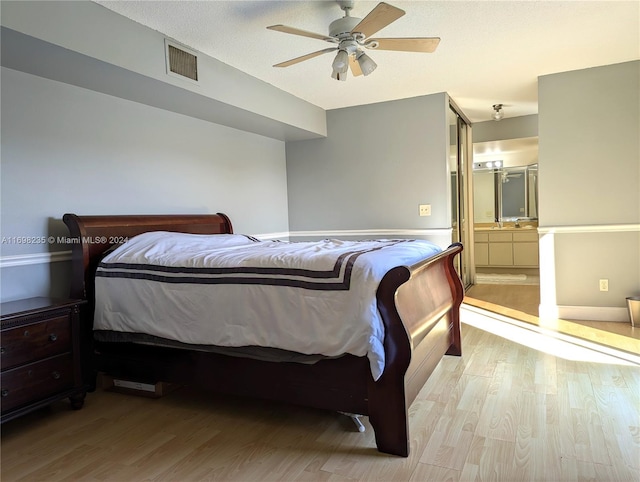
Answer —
584 313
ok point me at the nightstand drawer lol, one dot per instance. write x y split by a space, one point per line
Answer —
35 341
36 380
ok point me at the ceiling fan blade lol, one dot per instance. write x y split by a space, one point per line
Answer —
305 57
424 44
303 33
378 18
355 66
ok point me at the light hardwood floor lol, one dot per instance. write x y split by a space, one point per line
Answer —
521 302
525 298
502 412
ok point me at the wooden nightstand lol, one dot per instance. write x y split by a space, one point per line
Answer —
40 355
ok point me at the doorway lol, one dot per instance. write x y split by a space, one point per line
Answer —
505 212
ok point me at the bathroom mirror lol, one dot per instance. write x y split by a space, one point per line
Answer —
505 180
505 193
517 192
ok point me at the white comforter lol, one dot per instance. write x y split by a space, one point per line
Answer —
233 290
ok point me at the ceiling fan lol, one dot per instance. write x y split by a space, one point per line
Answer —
352 34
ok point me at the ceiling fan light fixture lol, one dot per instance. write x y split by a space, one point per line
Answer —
350 33
367 65
339 75
497 114
341 62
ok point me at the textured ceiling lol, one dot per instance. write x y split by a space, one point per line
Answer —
491 51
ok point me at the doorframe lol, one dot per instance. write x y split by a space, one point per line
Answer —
465 195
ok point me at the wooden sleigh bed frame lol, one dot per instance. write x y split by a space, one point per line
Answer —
419 305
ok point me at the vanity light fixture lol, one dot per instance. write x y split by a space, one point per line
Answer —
498 114
495 164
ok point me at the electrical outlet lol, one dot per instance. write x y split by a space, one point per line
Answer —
604 285
425 209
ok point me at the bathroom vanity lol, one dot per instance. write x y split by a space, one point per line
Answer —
506 247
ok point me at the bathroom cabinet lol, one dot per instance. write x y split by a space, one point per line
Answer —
506 248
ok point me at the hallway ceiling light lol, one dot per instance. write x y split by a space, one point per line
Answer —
498 114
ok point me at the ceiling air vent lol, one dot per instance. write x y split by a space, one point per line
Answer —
181 62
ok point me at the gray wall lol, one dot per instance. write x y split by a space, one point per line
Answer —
68 149
589 162
93 124
589 132
509 128
120 57
377 164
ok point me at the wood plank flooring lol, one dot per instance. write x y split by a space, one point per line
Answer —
521 302
524 298
501 412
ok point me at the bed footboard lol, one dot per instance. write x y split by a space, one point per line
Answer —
420 307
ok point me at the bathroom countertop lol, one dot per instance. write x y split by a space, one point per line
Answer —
505 228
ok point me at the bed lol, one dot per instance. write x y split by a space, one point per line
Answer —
418 305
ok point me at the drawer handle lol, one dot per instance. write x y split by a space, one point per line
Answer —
55 375
53 337
26 333
2 350
4 392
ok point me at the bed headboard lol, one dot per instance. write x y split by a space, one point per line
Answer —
93 235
